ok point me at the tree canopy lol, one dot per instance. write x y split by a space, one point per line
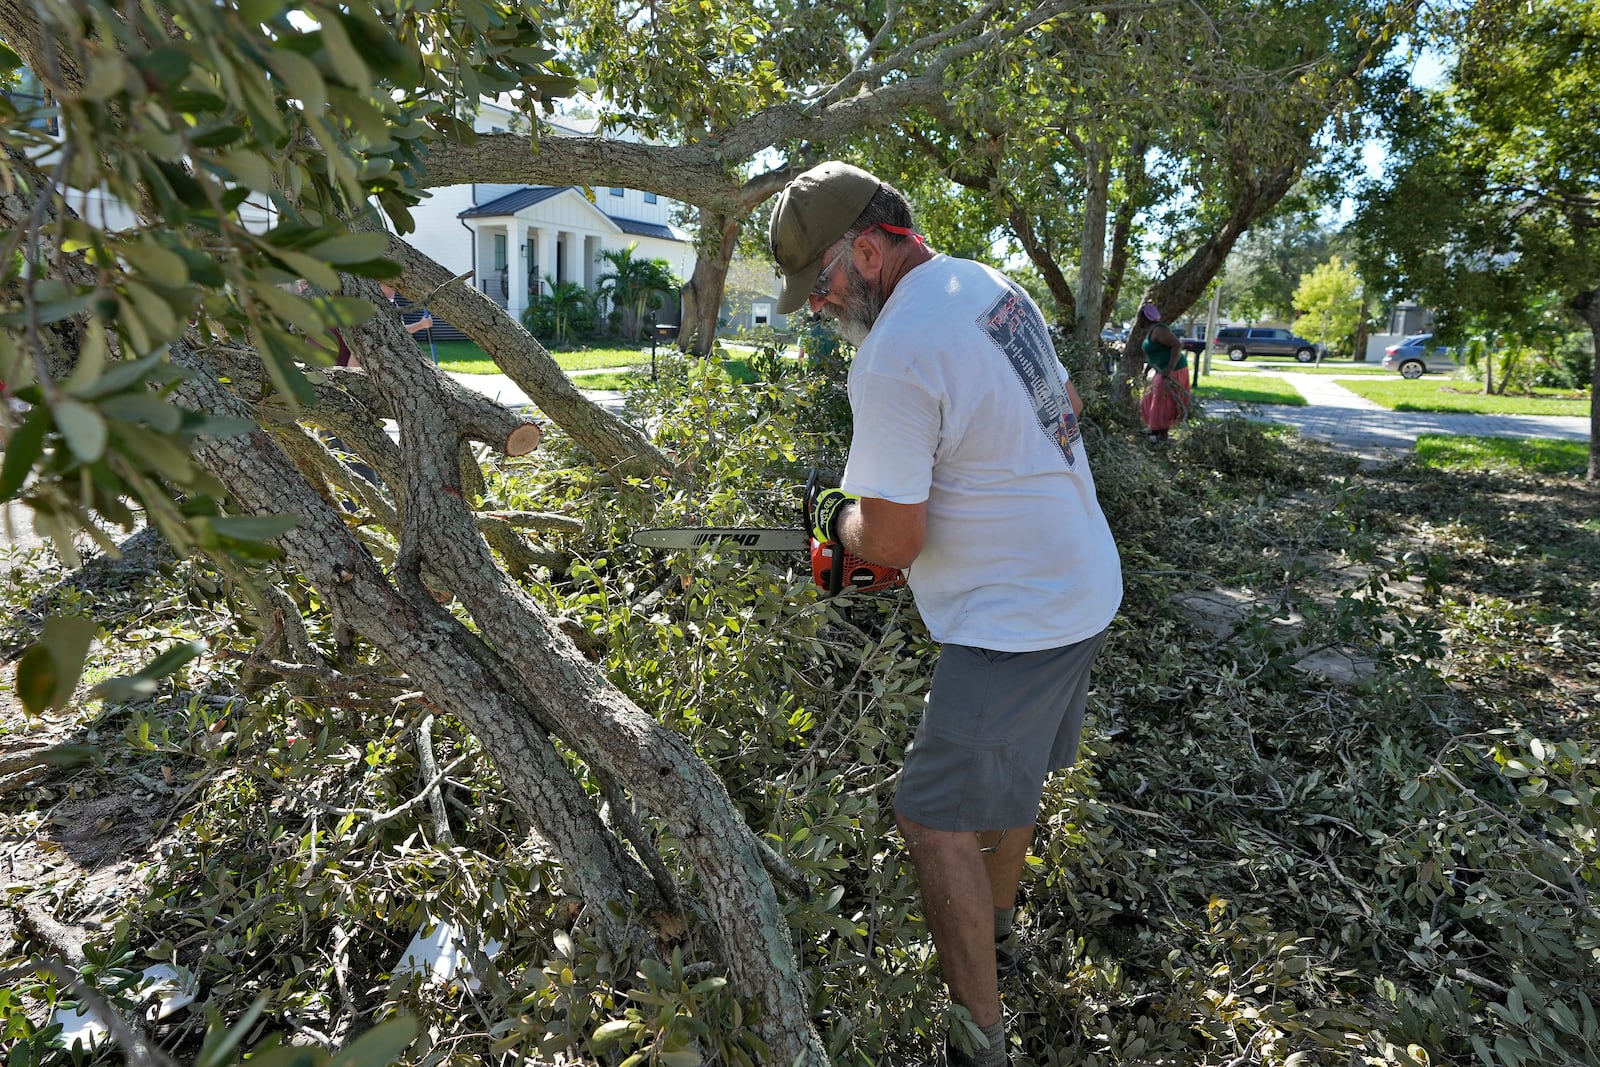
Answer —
176 376
1492 197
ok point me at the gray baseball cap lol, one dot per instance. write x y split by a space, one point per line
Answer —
813 212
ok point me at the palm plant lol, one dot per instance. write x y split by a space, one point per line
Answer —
634 285
569 302
565 308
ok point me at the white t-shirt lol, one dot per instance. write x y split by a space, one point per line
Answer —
959 400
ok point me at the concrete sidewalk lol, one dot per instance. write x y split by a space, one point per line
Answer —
500 387
1335 415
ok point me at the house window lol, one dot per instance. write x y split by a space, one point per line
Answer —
615 191
649 198
499 250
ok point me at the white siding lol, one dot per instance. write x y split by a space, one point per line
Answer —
440 235
678 254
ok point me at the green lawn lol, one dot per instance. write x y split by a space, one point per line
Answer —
464 357
620 381
1534 456
1449 394
1249 389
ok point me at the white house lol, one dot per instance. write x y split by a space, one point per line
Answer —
514 237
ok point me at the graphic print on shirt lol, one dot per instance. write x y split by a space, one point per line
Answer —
1017 329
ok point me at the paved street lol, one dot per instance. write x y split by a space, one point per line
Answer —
1336 415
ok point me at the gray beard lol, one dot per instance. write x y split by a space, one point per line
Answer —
852 331
861 309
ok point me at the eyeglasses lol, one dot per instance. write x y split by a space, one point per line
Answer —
824 284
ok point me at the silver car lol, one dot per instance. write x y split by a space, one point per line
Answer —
1418 354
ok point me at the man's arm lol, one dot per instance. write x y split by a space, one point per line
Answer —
883 532
1072 398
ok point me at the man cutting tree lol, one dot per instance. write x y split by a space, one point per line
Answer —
968 470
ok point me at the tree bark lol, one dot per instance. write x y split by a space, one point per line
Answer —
1178 292
1092 246
522 680
702 295
1587 305
1359 355
613 443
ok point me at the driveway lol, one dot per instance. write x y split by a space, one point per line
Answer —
1335 415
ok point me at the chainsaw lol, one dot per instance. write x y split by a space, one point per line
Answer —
832 568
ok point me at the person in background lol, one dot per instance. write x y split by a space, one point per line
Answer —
345 357
967 469
1166 399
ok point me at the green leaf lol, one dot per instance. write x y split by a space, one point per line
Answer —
286 376
380 1046
163 67
253 527
303 79
144 408
48 672
161 266
610 1033
36 679
352 247
342 54
295 310
346 311
83 428
56 310
142 684
92 354
23 451
219 426
122 376
250 169
153 309
158 452
310 268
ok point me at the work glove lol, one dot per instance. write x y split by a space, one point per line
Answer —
826 507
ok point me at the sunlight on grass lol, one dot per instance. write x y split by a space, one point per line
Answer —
464 357
1452 394
1529 455
1256 389
619 381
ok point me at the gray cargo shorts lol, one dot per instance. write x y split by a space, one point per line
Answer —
997 723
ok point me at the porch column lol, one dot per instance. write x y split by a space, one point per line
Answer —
572 255
547 257
591 256
517 267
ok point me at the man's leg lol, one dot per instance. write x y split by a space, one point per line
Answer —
1004 854
959 895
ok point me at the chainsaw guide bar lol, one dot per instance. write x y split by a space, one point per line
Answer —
748 538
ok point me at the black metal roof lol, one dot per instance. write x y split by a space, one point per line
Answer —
512 203
645 229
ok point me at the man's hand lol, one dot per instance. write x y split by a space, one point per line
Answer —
825 511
